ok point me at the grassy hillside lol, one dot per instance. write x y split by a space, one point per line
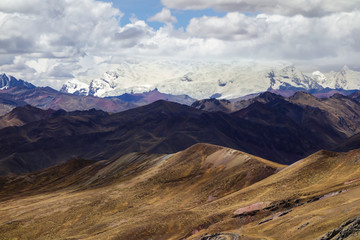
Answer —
200 191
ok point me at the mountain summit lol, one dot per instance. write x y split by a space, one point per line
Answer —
7 82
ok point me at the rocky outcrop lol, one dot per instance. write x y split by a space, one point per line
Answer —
221 236
349 228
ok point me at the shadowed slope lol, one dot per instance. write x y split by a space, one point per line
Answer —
279 130
23 115
343 113
223 105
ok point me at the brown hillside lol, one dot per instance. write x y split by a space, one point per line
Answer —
137 196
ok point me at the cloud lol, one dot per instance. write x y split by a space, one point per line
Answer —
275 36
54 29
61 39
164 17
20 6
311 8
233 26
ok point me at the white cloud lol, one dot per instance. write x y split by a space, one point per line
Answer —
164 17
282 37
233 26
310 8
61 39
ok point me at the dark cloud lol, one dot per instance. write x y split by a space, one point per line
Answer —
289 8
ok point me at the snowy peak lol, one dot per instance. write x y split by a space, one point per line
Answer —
290 77
7 81
346 79
75 87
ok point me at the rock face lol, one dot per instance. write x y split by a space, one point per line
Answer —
347 229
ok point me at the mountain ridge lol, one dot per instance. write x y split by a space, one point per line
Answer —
277 129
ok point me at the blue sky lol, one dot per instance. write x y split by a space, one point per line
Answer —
144 9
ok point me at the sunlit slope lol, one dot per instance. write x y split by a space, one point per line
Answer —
138 196
303 201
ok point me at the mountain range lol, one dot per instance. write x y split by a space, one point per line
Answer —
202 80
14 93
280 129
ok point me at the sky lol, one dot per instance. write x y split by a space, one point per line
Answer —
45 41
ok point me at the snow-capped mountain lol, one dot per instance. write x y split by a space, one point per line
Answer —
75 87
290 77
345 79
208 79
7 81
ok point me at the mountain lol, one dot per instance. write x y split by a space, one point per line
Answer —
340 113
277 129
111 171
203 192
306 200
24 93
141 99
233 105
7 82
47 98
7 103
290 78
344 79
355 96
214 105
343 112
204 80
75 87
23 115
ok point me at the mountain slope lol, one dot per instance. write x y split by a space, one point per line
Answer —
23 115
203 190
228 106
141 188
343 112
306 200
46 98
